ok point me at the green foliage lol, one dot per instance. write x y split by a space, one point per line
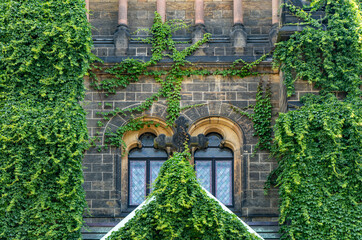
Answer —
261 117
40 170
320 169
328 53
319 145
181 210
128 71
45 51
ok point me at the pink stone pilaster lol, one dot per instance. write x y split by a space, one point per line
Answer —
161 9
238 12
199 12
275 7
87 7
122 12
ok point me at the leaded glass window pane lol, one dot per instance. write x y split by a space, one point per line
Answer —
224 181
137 182
204 174
214 169
155 167
144 166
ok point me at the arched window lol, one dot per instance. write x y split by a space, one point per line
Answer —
214 169
144 166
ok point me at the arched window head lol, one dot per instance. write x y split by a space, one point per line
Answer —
214 169
144 166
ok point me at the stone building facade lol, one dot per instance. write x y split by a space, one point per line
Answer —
243 29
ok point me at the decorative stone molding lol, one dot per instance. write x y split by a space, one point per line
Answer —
121 40
131 139
233 139
239 38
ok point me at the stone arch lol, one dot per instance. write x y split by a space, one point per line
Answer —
156 113
220 109
233 139
131 140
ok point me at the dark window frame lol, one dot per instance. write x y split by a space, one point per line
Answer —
148 161
213 169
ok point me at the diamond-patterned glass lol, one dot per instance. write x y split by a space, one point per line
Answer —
224 182
204 174
137 182
155 167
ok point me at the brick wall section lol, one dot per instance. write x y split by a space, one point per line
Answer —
140 15
101 169
219 17
103 16
257 16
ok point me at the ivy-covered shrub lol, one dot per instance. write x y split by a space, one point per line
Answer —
44 54
181 210
319 149
328 53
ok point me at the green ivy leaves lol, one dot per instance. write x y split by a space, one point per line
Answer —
328 53
261 117
181 210
320 169
45 51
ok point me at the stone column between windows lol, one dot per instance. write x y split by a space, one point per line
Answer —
238 12
275 6
199 12
273 34
161 9
122 35
199 29
122 12
87 7
238 34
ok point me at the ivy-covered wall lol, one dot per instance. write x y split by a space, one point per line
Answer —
318 146
165 86
218 94
44 54
319 170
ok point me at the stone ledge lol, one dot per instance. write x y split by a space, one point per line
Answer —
193 59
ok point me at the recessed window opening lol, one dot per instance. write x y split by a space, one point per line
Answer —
144 166
214 169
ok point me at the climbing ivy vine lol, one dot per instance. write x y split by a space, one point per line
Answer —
320 169
328 53
163 46
318 146
261 116
44 54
